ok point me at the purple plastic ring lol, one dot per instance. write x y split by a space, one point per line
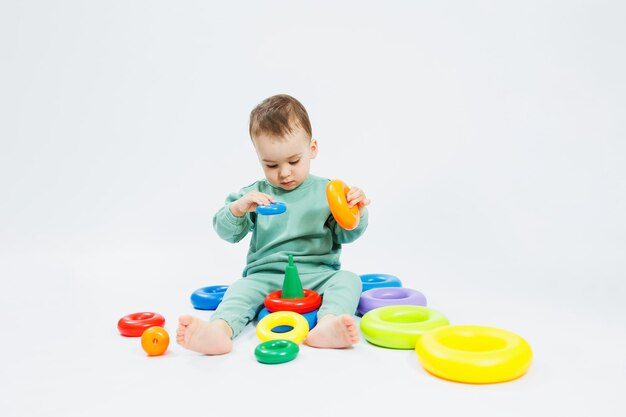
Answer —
389 296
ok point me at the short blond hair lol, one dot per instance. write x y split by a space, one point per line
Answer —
277 116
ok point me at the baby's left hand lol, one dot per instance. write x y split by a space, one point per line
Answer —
356 197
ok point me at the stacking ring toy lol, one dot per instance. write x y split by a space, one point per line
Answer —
399 327
381 297
347 217
155 341
300 327
370 281
311 318
311 301
276 351
474 354
208 298
271 209
133 325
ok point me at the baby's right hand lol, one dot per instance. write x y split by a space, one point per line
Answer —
249 202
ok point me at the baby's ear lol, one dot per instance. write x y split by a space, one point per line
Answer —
313 148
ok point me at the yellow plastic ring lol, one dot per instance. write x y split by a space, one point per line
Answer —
474 354
399 326
299 331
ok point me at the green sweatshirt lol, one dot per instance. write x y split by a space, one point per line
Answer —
306 230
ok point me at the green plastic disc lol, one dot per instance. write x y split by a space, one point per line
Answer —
276 351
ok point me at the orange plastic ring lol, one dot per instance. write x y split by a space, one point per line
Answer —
347 217
311 301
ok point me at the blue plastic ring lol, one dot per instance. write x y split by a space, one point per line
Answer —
208 298
311 318
271 209
370 281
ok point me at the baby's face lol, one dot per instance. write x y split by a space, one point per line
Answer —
286 161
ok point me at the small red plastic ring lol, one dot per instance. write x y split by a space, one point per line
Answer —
311 301
133 325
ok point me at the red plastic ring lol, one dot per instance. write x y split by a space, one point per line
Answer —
133 325
311 301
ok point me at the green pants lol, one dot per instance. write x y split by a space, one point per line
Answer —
243 300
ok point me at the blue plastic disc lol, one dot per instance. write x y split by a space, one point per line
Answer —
208 298
271 209
370 281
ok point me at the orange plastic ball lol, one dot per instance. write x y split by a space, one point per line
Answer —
155 341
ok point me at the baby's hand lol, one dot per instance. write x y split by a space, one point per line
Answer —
249 202
356 197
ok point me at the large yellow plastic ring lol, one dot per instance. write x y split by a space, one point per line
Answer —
399 326
264 329
474 354
347 217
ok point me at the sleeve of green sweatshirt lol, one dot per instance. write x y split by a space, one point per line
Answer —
342 235
229 227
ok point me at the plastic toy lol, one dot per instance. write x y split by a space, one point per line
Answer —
292 298
271 209
155 341
311 318
292 286
297 299
387 296
474 354
311 301
299 331
276 351
399 327
370 281
208 298
347 217
133 325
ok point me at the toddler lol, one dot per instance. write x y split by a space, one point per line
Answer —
281 134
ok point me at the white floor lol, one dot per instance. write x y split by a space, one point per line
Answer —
62 354
489 136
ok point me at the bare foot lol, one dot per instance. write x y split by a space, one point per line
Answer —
334 332
208 337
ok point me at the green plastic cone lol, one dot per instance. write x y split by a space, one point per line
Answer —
292 286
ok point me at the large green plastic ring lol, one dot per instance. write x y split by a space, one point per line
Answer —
399 326
276 351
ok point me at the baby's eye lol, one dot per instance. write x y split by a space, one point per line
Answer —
294 162
271 166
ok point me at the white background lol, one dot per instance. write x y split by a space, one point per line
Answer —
489 135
